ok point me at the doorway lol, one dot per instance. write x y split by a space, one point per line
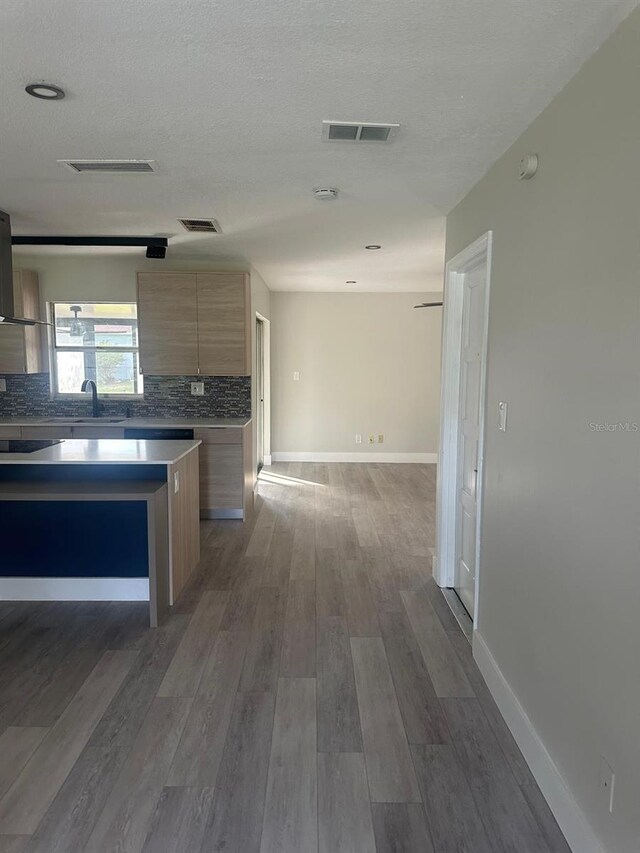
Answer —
466 314
262 393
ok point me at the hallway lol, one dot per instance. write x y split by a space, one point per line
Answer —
311 691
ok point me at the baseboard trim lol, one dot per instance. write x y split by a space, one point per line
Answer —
267 459
209 514
314 456
74 589
557 793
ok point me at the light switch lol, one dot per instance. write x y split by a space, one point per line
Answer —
502 416
296 375
197 389
3 384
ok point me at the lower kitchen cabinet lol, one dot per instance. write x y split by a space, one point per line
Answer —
226 472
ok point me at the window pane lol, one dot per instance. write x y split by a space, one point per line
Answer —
91 324
69 372
117 372
113 372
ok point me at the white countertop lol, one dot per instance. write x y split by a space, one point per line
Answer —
126 423
104 451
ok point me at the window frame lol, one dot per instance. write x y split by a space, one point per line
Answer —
53 348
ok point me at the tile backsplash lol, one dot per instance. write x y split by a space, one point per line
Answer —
164 396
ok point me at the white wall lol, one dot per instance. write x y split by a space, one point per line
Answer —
368 363
560 577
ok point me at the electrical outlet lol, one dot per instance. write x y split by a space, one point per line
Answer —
380 438
372 439
606 783
358 438
176 482
296 376
197 389
3 384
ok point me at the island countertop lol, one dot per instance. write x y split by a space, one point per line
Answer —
104 451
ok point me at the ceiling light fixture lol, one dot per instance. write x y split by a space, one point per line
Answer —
45 91
373 246
351 282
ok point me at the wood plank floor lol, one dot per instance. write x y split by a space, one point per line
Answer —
310 692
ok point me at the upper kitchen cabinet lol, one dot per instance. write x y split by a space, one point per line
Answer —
168 323
194 323
22 347
224 339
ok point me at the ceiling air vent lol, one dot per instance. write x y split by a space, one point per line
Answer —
118 166
209 226
357 131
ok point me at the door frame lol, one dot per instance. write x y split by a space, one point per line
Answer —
476 254
266 381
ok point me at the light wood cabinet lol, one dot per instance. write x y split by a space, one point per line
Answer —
224 340
195 323
226 484
22 348
168 324
46 432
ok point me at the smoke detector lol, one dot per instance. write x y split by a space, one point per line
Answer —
117 166
358 131
207 226
325 193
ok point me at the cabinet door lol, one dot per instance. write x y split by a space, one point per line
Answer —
46 432
12 338
224 329
167 323
34 336
221 475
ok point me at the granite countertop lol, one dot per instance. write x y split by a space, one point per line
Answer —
127 423
104 451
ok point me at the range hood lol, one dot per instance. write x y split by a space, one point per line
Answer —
7 302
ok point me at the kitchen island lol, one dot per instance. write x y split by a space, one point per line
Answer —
99 519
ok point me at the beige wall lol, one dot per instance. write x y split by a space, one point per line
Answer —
560 575
368 363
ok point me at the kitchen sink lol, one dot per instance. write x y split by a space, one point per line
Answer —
71 421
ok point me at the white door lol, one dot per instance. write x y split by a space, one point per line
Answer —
472 348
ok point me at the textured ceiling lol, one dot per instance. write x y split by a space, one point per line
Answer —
228 97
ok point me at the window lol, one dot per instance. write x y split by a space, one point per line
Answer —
99 341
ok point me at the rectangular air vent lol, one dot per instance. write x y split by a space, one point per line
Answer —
357 131
118 166
210 226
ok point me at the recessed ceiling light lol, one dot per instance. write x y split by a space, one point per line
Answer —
373 246
351 282
45 91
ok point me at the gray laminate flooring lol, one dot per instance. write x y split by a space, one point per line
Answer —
310 691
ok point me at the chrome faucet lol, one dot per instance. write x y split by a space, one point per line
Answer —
95 403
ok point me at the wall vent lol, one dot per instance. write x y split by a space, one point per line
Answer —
209 226
118 166
358 131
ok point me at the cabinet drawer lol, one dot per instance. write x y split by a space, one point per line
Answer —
46 432
98 432
10 432
224 435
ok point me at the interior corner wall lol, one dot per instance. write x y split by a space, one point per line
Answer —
559 606
368 364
